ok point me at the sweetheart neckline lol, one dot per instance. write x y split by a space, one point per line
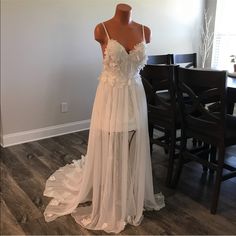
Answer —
130 51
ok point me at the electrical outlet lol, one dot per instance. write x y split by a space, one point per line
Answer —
64 107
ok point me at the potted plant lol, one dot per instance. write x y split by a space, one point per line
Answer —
233 60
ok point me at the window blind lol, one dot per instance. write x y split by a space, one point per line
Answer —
224 44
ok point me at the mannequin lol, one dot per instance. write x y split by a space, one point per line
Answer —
123 29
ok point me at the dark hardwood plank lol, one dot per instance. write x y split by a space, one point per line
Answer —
44 155
16 199
23 170
83 137
152 227
9 224
58 152
26 180
175 221
61 226
218 224
68 144
31 162
201 186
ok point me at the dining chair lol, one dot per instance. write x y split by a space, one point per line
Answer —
215 128
165 59
186 60
162 113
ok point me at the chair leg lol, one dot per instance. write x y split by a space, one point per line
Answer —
199 143
219 171
230 108
212 157
167 140
194 141
171 158
150 129
206 157
180 164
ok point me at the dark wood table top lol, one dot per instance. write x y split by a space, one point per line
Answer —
232 74
231 79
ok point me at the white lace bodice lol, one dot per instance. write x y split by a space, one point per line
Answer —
121 68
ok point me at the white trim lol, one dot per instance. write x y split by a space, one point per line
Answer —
1 140
37 134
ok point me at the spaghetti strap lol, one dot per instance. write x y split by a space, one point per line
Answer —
143 33
105 30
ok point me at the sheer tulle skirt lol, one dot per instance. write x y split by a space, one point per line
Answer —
115 175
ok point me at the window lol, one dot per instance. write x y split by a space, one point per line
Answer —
224 43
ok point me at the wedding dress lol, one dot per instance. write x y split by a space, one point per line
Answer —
115 175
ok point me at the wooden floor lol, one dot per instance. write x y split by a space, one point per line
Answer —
25 168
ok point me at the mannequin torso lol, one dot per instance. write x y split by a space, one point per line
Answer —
122 29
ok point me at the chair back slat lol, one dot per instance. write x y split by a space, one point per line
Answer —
158 76
189 59
166 59
197 88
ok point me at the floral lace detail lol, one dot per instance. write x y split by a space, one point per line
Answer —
54 202
160 200
79 163
52 178
86 221
121 68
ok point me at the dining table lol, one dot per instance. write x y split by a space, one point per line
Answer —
231 92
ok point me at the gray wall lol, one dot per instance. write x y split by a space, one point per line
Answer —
49 54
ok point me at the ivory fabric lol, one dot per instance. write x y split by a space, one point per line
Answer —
115 175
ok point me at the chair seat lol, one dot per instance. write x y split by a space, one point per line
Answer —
164 95
213 134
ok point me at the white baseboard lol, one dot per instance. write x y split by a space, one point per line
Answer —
37 134
1 140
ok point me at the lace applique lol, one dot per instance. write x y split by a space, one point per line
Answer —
54 202
121 68
86 221
160 203
160 199
52 178
79 163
